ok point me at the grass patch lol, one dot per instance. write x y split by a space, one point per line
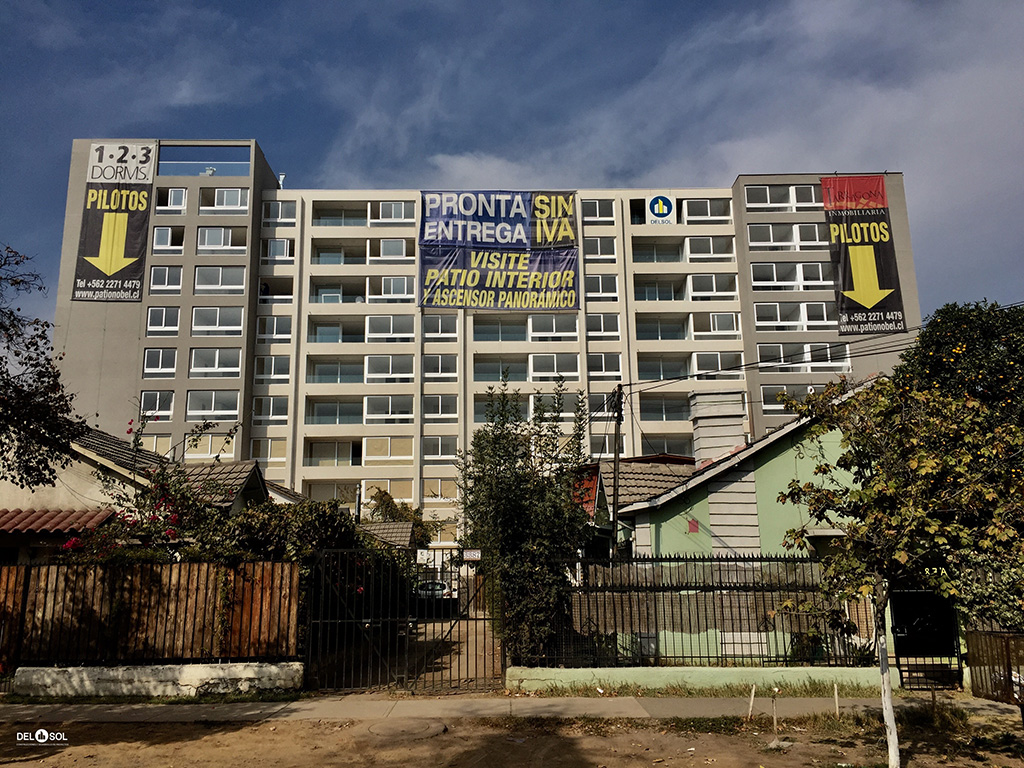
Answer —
812 690
206 698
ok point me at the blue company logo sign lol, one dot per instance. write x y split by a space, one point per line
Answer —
660 207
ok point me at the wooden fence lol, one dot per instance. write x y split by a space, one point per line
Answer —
147 613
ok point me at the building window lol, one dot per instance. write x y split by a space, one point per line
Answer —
390 328
551 367
803 358
602 287
168 239
440 327
344 371
223 201
604 365
598 211
440 448
170 200
390 249
787 237
603 326
676 445
160 444
718 287
273 329
273 369
711 325
387 409
217 321
268 450
341 453
563 409
165 280
491 328
334 412
718 365
162 321
157 405
717 210
389 368
770 403
783 197
602 446
215 364
651 327
217 239
159 363
441 367
278 212
494 367
220 280
438 490
343 492
795 316
212 405
278 249
601 406
788 276
561 327
210 446
709 249
393 290
441 409
399 490
659 289
599 248
664 407
657 368
397 211
270 410
657 253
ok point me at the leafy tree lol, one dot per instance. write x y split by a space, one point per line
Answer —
518 485
384 509
926 491
37 421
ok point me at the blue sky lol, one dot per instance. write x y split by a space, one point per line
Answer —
436 94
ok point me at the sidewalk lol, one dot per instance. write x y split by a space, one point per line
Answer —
381 707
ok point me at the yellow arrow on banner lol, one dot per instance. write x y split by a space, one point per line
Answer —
110 258
865 277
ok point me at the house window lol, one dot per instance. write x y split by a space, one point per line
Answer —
651 327
718 365
271 369
156 405
441 448
664 407
159 363
270 410
165 280
440 327
718 287
170 200
268 450
562 327
217 321
441 367
162 321
605 365
602 287
215 364
387 409
551 367
273 328
342 453
279 212
389 368
168 239
604 326
599 248
212 405
388 328
598 211
441 409
220 280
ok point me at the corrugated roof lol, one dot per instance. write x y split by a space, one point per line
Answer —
397 534
51 520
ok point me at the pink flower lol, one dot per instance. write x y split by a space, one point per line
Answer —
173 519
171 534
359 590
129 431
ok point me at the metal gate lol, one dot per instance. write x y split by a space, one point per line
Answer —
926 640
419 621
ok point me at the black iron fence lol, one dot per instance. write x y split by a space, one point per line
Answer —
703 610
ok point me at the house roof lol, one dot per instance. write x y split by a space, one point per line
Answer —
51 520
284 493
120 453
228 478
395 534
640 478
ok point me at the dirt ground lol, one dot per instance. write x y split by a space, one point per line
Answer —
499 743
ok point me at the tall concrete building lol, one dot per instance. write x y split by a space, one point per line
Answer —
194 287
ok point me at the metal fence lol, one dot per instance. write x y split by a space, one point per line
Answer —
147 613
702 610
996 660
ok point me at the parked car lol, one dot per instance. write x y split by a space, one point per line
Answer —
434 589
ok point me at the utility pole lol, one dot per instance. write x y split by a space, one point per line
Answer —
617 395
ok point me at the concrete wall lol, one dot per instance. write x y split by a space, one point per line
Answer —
163 680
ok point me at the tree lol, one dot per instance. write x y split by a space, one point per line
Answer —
384 509
518 485
925 491
37 421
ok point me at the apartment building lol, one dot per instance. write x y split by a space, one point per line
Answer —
194 287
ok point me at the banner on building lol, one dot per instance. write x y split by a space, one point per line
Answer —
115 223
868 297
499 250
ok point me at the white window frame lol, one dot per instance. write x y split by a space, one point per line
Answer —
220 287
161 280
157 404
397 211
390 376
434 408
388 293
393 446
274 212
270 329
610 367
786 197
647 360
379 336
440 334
342 458
266 456
607 287
221 328
723 365
386 484
227 363
705 217
226 238
601 319
220 406
223 204
663 253
601 446
260 375
434 367
163 321
537 365
204 447
799 358
440 448
715 248
717 294
270 409
285 254
568 412
598 211
721 325
646 283
163 240
389 415
600 248
663 414
391 241
159 362
546 327
173 207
